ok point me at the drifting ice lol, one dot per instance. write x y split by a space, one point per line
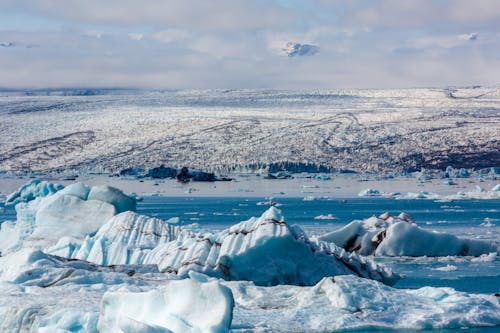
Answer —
400 236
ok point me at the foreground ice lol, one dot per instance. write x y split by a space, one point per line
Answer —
43 293
400 236
176 306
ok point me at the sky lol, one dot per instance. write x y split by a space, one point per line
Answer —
231 44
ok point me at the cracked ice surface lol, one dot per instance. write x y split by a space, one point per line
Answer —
368 130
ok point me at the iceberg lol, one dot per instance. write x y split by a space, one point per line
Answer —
345 303
32 190
73 212
387 235
177 306
369 192
44 293
265 250
124 239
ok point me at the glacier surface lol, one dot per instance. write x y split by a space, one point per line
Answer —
360 130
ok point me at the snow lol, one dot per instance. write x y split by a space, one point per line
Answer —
365 130
400 236
447 268
177 306
32 190
328 216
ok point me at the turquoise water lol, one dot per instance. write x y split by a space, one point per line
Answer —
462 218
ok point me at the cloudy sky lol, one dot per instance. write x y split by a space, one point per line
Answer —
246 44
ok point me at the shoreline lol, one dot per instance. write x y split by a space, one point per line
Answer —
346 186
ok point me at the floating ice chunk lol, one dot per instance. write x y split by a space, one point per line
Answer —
369 192
487 223
447 268
177 306
400 236
74 211
490 257
78 190
348 302
403 239
69 216
34 189
264 250
125 239
113 196
325 217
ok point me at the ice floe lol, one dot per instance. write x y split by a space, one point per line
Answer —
73 212
387 235
34 189
176 306
43 293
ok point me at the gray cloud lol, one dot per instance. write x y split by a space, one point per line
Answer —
239 44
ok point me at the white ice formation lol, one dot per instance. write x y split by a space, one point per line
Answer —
265 250
388 235
30 191
43 293
71 213
369 192
176 306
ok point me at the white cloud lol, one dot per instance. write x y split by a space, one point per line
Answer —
136 36
170 35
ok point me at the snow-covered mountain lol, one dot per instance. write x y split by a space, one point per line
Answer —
361 130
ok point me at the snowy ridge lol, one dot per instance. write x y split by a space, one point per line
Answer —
387 235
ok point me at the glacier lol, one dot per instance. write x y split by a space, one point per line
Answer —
389 130
388 235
